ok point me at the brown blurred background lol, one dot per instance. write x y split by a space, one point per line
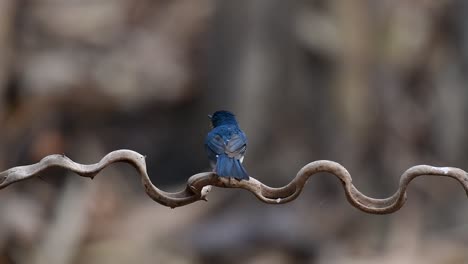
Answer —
378 86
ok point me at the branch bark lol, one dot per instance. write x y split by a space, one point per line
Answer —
200 184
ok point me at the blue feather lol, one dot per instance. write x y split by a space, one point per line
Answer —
230 167
226 145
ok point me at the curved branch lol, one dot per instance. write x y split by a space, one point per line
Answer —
200 184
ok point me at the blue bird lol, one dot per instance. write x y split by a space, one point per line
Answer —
225 145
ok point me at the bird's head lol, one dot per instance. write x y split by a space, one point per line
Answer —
222 117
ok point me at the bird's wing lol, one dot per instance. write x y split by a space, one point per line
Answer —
236 146
215 143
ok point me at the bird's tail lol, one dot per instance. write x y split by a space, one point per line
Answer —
230 167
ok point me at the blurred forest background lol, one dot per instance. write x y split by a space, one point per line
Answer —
377 86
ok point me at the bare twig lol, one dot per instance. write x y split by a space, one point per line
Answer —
200 184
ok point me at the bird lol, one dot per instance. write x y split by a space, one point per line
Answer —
225 145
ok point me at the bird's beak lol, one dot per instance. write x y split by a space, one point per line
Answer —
210 116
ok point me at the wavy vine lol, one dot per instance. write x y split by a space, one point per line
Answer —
200 184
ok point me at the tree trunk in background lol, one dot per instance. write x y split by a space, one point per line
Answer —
249 65
7 39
